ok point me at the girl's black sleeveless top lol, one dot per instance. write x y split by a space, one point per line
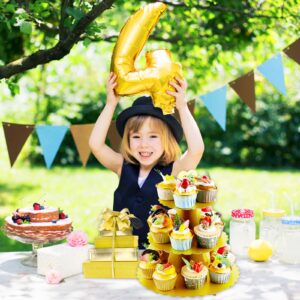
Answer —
138 200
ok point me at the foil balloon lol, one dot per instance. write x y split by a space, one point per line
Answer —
160 69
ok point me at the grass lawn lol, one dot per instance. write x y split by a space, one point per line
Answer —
83 193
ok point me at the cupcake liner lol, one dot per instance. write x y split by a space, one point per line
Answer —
164 194
207 242
161 237
165 285
185 201
147 273
194 283
206 196
219 277
181 245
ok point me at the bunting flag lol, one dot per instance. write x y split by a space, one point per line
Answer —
244 86
81 135
114 137
15 136
216 104
50 138
293 51
272 69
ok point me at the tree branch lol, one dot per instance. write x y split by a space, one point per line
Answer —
61 49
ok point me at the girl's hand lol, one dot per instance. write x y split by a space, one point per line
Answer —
180 87
111 96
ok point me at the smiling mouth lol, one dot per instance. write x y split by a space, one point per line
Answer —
145 154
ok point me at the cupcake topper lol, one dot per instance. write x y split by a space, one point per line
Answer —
287 196
160 173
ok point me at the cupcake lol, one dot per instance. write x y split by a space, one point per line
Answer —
148 261
223 251
154 211
181 237
215 217
166 187
220 269
207 190
165 277
207 233
194 274
185 194
160 228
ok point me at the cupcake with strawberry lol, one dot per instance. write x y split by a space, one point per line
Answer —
194 274
207 233
220 267
161 226
224 252
165 277
181 237
215 217
185 194
166 187
154 211
148 261
207 189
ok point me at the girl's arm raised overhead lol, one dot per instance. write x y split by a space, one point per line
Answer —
105 155
191 158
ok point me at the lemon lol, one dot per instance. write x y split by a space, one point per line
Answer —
260 250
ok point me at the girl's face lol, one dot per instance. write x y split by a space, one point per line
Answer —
146 145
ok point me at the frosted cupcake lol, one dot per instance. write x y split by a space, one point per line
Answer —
225 253
181 237
160 228
185 194
166 187
212 217
194 274
207 233
165 277
219 269
148 261
207 190
154 211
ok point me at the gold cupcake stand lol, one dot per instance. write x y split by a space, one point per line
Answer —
195 253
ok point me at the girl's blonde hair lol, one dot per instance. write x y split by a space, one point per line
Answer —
169 143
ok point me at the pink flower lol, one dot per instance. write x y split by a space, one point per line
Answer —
53 277
77 239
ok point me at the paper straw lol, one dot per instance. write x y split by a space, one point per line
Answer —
272 198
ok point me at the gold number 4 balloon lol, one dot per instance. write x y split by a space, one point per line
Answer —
160 69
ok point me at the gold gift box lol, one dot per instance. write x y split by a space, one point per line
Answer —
124 241
121 254
103 269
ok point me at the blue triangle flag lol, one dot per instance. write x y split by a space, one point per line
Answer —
50 138
216 104
272 69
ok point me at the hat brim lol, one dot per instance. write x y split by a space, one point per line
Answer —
148 110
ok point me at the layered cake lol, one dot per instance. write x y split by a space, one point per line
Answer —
38 223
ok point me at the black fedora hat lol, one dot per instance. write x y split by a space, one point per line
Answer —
144 106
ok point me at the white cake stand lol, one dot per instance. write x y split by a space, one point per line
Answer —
31 260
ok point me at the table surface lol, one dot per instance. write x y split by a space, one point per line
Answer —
271 281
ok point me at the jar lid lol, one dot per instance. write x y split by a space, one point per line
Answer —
291 220
243 213
273 212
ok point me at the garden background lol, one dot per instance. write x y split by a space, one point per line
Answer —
215 41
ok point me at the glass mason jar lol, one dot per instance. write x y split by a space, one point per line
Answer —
270 227
288 249
242 231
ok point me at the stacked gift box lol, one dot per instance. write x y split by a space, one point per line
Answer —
115 252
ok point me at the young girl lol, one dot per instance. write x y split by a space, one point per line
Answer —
149 142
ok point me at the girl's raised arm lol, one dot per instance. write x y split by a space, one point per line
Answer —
191 158
105 155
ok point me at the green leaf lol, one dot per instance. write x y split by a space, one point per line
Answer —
86 42
76 13
26 27
187 263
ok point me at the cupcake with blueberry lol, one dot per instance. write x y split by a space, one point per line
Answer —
181 237
166 187
148 261
220 269
207 233
207 189
224 252
194 274
165 277
185 194
161 226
